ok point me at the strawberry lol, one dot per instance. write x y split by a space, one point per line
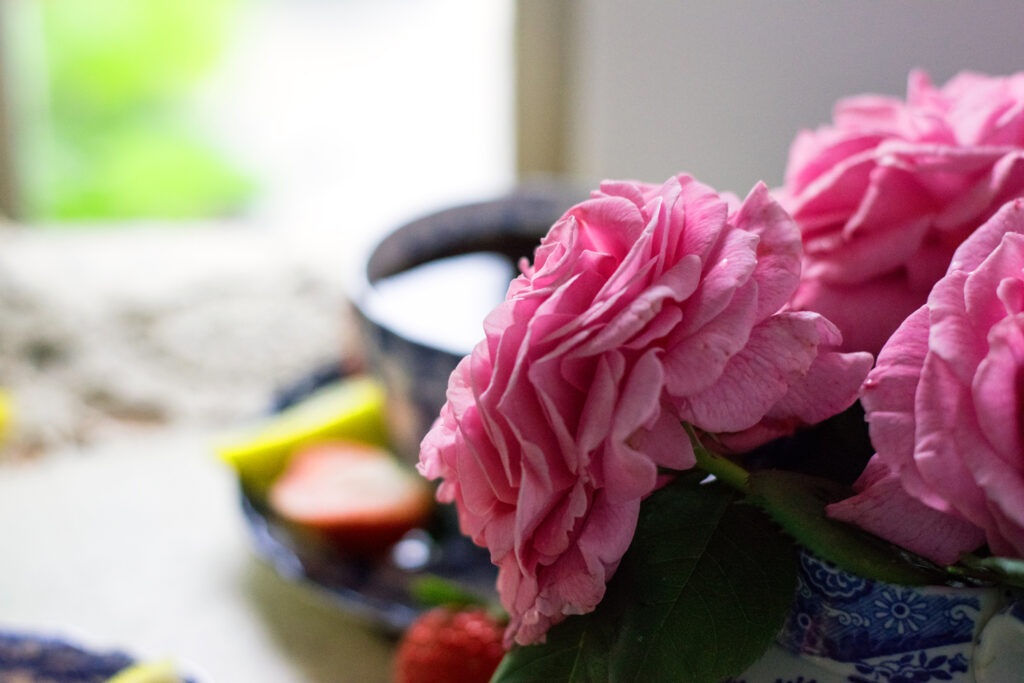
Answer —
356 496
446 645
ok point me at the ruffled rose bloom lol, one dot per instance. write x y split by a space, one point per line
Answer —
944 406
645 305
885 195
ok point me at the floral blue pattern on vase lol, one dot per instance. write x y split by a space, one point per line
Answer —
847 629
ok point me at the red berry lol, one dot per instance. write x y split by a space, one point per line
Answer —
449 646
355 495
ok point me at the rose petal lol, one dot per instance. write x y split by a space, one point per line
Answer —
998 390
945 439
885 509
779 352
694 362
855 310
887 192
778 249
889 396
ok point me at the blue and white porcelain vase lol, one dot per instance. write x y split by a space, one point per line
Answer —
845 628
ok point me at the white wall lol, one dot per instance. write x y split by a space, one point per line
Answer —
360 114
719 88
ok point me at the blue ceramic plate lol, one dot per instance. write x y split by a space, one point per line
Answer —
379 590
28 658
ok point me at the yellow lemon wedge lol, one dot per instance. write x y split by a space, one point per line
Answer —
6 412
148 672
350 408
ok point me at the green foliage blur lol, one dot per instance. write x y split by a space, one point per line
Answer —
119 143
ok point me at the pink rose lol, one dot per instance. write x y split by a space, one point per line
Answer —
645 305
944 406
886 194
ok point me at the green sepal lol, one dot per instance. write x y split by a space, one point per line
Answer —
797 502
1004 570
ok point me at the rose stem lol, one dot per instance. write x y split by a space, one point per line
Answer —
723 469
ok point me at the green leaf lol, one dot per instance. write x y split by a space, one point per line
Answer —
708 605
797 502
432 590
699 596
576 651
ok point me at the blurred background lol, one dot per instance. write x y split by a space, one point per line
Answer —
192 181
286 112
118 110
187 186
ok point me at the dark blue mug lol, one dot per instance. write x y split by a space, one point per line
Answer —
413 365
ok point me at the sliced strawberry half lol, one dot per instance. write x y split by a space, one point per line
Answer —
356 495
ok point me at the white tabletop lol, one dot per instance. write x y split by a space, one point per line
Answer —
138 544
